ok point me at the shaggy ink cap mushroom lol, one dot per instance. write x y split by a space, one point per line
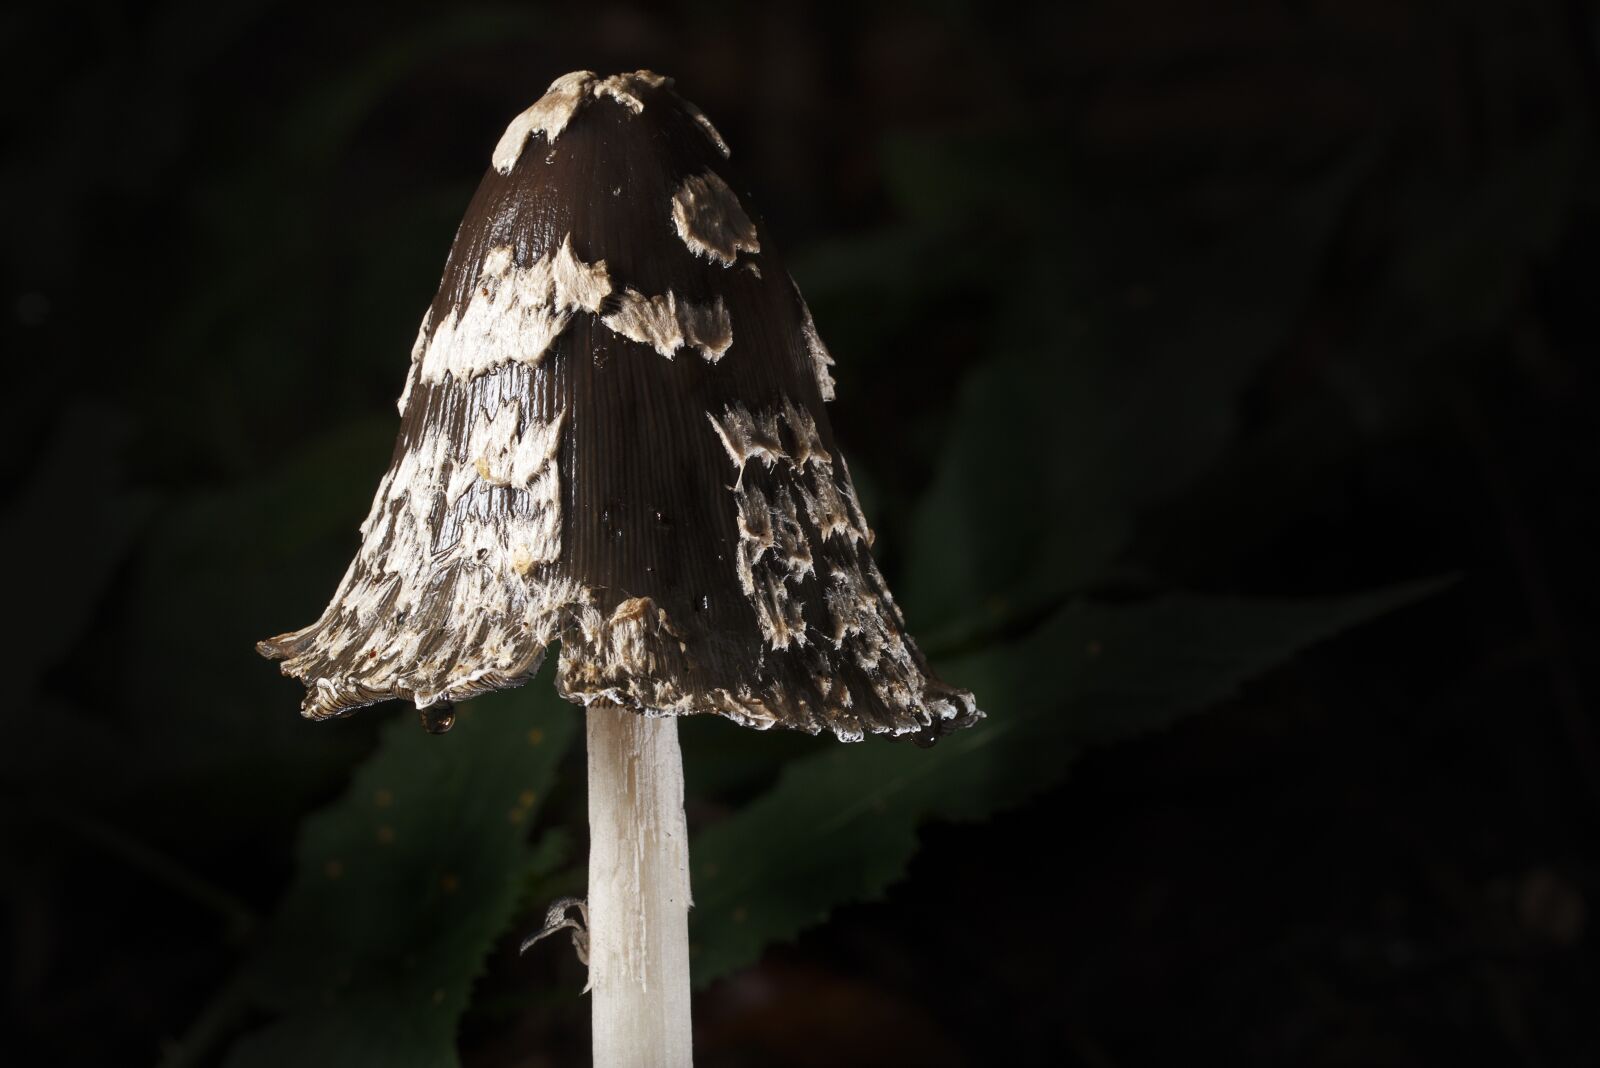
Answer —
614 435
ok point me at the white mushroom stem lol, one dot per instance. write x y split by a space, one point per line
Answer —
638 892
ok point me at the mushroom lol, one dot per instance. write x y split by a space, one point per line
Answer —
613 435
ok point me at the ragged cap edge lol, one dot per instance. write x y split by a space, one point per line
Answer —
450 593
947 709
799 522
633 659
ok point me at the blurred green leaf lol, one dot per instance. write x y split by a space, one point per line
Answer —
78 518
871 291
218 570
402 887
1058 442
327 115
1461 264
76 504
724 763
956 176
841 826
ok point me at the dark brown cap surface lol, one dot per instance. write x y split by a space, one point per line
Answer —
614 435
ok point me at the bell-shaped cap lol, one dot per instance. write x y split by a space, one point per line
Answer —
613 435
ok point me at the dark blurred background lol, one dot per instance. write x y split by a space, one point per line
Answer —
1249 299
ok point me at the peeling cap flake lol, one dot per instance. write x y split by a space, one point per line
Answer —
612 441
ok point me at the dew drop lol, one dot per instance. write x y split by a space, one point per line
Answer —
438 718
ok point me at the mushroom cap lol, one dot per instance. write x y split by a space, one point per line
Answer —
613 435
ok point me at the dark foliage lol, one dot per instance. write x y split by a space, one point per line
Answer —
1166 333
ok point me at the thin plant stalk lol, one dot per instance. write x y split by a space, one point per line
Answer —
638 892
